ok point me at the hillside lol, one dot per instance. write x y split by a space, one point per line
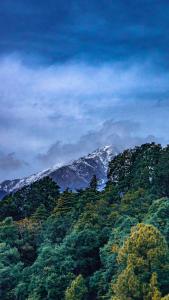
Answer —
87 245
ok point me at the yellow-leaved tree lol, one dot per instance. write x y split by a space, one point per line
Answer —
77 290
143 260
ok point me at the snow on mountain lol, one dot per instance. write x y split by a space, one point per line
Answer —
74 175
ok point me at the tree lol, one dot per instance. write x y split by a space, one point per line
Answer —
136 203
49 275
154 293
24 202
9 232
40 214
144 253
77 290
158 216
84 248
10 271
135 168
162 174
65 203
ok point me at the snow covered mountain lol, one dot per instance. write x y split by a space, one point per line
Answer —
74 175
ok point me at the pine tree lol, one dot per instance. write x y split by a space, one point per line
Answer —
40 214
65 203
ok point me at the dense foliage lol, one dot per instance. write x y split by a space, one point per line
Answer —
86 245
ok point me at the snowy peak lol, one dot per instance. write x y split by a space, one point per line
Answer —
74 175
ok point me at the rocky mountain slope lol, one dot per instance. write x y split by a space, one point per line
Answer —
74 175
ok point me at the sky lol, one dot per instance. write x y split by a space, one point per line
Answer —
78 75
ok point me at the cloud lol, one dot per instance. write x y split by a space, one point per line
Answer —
11 165
9 162
58 111
121 135
75 66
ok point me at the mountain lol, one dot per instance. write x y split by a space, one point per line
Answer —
74 175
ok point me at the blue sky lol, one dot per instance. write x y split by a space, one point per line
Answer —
76 75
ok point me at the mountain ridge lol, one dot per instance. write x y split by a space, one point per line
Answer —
74 175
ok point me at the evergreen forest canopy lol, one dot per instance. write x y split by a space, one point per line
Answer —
110 245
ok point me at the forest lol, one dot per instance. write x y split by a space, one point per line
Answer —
89 244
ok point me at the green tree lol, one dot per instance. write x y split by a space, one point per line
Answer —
24 202
65 203
77 290
158 216
9 232
41 214
49 276
84 248
162 174
135 168
10 271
